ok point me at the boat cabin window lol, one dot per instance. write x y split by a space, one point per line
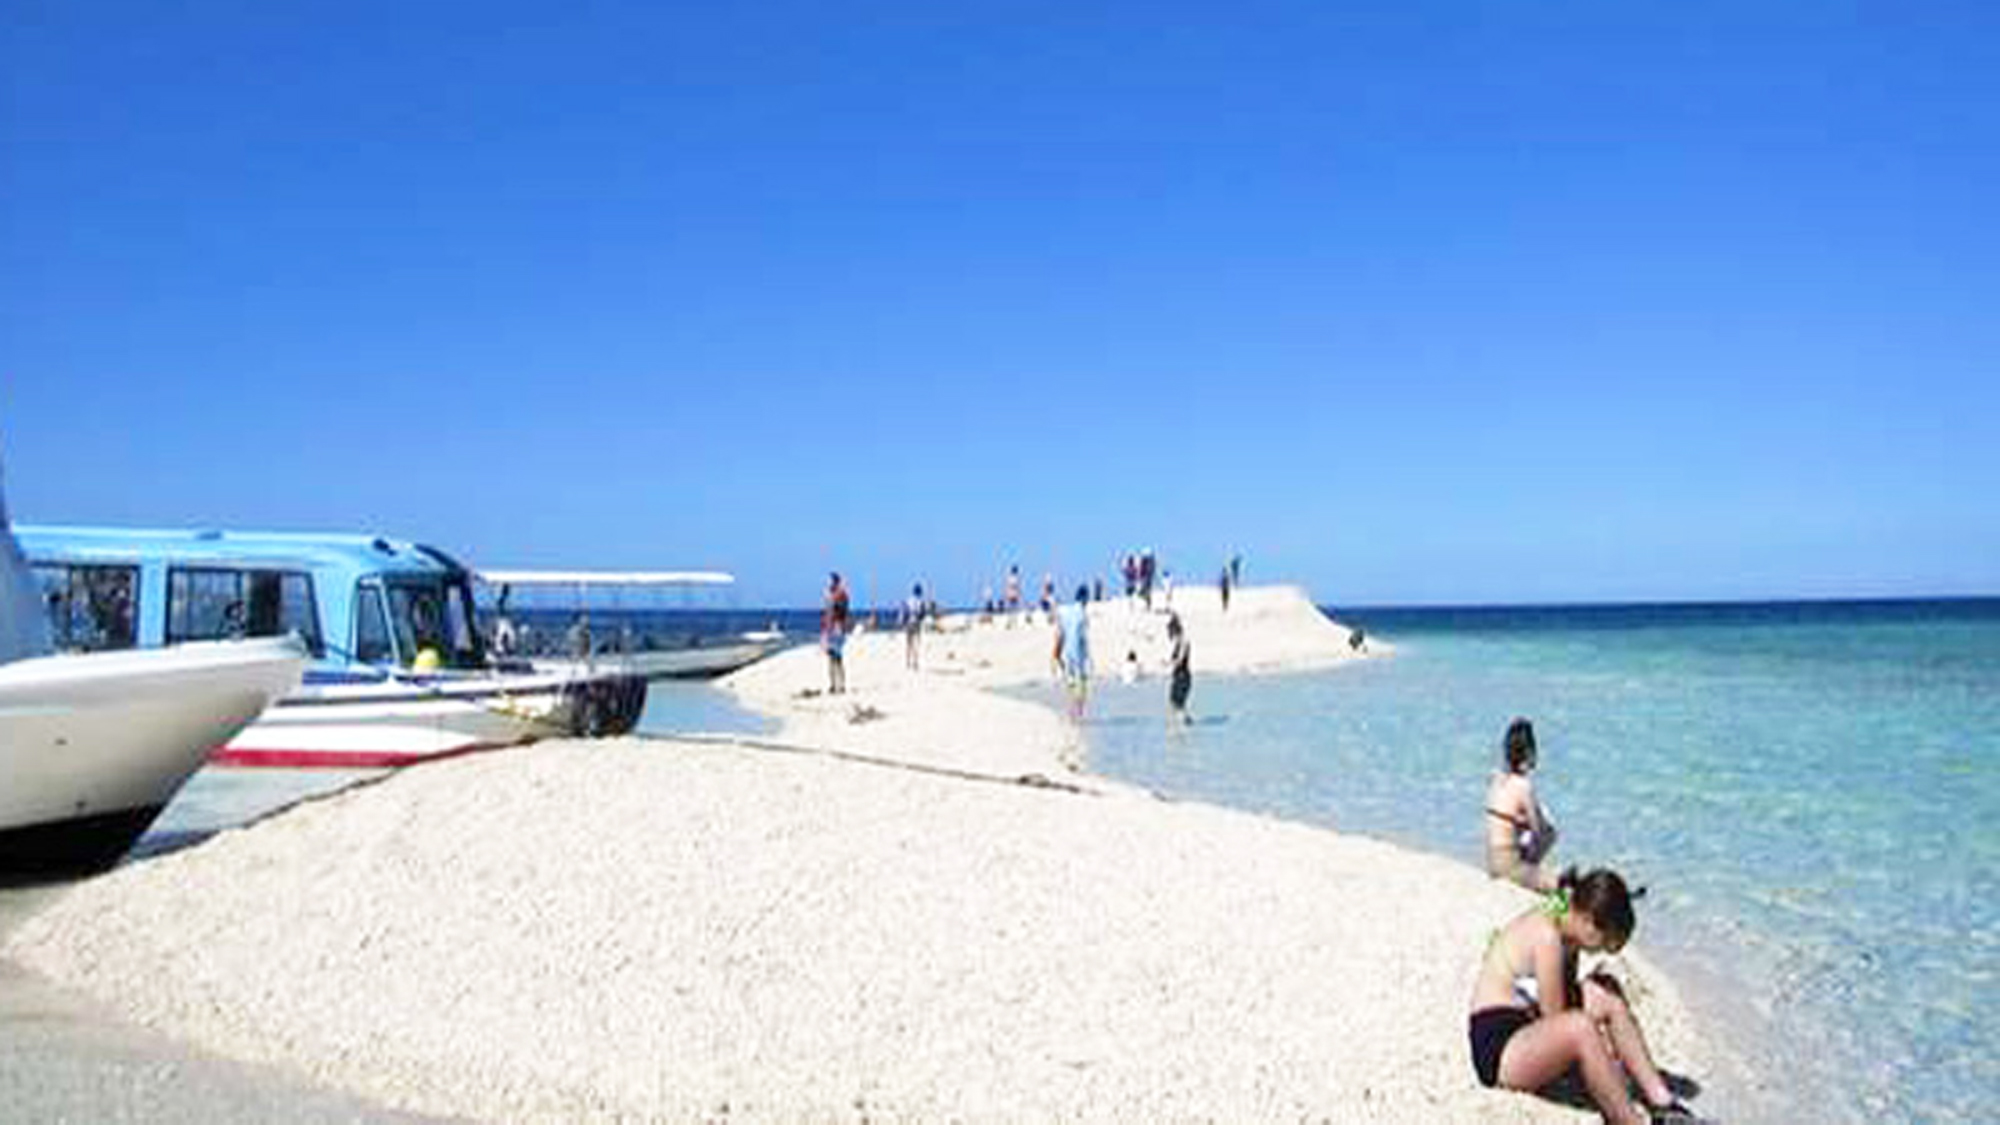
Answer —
92 608
216 603
371 626
436 616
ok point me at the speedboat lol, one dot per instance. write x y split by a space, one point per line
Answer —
399 671
93 746
689 657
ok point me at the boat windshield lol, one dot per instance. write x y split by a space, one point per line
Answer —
437 617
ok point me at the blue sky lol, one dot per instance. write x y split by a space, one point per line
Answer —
1413 303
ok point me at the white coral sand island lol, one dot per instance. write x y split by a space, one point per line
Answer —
931 914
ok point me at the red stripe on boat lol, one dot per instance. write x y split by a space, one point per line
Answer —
338 759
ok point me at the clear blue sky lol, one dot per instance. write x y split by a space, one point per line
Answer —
1418 302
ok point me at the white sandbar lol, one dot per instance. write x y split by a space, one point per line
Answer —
673 929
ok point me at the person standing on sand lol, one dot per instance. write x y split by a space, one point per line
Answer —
1013 593
1073 649
1222 584
1180 669
913 625
1532 1021
833 618
1519 833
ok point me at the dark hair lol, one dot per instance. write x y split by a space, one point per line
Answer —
1173 622
1601 894
1083 593
1519 744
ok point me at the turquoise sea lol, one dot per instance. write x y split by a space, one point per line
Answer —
1811 793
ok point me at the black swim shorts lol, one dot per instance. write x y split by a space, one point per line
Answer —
1489 1031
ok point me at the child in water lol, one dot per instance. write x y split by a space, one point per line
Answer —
1532 1020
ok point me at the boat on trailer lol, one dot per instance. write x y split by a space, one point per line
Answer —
692 657
399 670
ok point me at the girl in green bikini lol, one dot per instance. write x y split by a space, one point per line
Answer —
1532 1020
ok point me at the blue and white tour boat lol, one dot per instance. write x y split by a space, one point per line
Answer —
399 671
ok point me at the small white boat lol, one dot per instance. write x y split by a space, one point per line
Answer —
703 660
93 746
701 657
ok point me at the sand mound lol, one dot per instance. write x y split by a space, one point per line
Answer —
645 929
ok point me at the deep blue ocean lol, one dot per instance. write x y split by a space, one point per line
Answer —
1810 791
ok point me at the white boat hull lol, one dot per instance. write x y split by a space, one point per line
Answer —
399 721
701 661
93 746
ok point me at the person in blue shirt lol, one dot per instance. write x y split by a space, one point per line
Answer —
1073 649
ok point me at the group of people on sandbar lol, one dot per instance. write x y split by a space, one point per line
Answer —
1071 658
1532 1021
1071 655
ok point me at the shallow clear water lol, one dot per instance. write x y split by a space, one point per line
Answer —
696 707
1812 793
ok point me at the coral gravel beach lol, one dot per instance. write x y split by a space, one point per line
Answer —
910 902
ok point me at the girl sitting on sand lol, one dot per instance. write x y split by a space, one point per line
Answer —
1532 1020
1519 833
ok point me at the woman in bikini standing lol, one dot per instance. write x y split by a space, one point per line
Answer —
1519 834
